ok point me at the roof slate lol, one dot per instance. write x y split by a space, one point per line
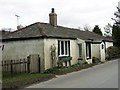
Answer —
47 30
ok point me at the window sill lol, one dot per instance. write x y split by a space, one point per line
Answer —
88 58
65 58
62 55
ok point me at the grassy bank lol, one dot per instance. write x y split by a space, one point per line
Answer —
22 80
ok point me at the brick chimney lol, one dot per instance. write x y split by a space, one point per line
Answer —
53 18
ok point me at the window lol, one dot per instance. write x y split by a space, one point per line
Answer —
80 50
102 46
88 50
64 48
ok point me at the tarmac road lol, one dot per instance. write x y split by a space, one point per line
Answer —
100 76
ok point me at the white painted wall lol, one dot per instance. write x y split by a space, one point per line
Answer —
21 49
47 52
102 51
108 44
96 50
14 50
47 56
88 60
73 51
79 41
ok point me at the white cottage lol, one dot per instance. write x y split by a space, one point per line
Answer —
53 43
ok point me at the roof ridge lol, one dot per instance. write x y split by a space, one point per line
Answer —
41 29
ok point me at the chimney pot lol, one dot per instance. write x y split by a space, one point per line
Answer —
53 10
53 18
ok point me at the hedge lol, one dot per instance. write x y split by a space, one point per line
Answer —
112 52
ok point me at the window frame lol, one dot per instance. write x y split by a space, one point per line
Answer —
102 46
66 48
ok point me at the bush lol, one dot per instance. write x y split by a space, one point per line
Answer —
112 52
63 70
52 70
95 60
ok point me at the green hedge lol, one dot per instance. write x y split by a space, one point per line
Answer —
112 52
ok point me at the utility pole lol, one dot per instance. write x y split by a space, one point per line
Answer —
17 19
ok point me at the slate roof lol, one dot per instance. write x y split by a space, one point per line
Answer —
47 30
108 38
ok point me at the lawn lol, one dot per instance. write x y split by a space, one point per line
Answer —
22 80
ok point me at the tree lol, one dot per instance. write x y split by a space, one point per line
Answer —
117 20
116 35
116 29
97 30
108 30
87 27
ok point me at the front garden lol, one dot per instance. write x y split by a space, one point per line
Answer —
23 80
64 70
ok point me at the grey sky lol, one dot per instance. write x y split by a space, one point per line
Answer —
71 13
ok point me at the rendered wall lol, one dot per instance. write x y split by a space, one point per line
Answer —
102 51
79 41
47 51
73 51
96 50
108 44
14 50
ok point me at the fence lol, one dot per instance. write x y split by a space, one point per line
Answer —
12 67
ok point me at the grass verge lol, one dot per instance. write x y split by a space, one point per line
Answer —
22 80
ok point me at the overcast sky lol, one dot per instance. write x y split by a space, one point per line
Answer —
71 13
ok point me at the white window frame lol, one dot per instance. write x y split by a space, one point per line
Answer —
60 52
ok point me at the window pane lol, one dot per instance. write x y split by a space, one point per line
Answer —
62 47
80 49
58 47
66 47
88 50
69 48
102 46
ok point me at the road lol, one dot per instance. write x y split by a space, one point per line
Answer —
100 76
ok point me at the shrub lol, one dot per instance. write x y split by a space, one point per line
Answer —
63 70
52 70
85 63
112 52
95 60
